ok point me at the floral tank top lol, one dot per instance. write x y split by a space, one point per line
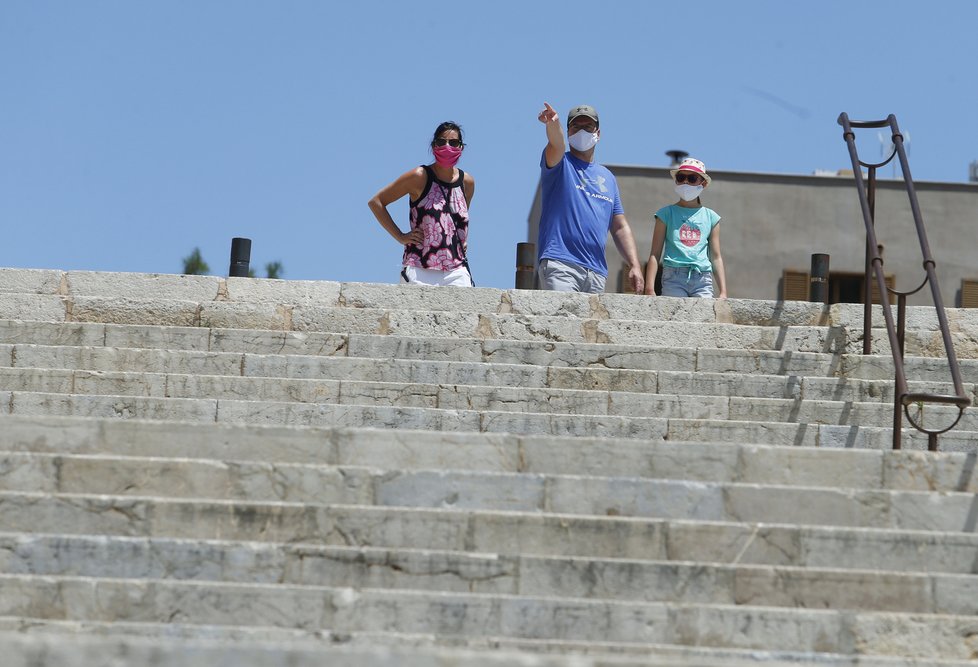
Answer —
443 216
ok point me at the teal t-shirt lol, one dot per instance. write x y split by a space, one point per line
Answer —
687 242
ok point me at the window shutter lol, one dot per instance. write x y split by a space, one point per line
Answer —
969 293
890 281
624 284
794 285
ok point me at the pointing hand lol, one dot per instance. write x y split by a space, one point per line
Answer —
548 115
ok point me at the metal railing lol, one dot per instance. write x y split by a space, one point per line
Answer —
903 398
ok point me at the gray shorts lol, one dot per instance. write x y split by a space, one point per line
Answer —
560 276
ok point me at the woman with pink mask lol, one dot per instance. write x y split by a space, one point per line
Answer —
440 195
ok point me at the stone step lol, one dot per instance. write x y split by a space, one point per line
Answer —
511 533
159 650
229 411
71 284
478 615
466 572
507 492
249 344
82 644
306 401
426 323
132 298
18 340
423 395
400 449
718 331
33 358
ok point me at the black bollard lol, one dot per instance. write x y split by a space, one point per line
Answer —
240 258
526 254
818 285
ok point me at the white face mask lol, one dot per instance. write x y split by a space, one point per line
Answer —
583 141
689 192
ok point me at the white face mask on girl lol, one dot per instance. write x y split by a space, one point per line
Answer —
583 141
688 192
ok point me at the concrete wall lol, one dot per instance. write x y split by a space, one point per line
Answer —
773 222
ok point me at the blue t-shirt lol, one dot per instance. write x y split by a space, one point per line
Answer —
579 199
687 236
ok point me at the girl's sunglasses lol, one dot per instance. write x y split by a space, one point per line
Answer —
692 179
454 143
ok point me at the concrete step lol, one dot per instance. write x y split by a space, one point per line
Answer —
476 615
505 533
466 572
400 449
507 492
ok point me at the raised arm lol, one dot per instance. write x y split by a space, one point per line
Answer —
622 235
409 183
658 240
556 147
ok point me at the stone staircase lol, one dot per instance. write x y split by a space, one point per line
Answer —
196 470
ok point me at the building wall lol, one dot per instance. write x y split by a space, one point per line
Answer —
772 222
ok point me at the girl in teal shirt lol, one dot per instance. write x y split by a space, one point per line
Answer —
687 238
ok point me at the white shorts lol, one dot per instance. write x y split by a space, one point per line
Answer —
412 275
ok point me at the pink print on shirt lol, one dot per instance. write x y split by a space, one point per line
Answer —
689 236
443 216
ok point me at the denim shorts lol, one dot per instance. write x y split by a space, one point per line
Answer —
686 282
560 276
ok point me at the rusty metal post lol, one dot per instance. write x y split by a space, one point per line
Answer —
868 277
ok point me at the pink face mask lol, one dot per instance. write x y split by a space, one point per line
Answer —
447 155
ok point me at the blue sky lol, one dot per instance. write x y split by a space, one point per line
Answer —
132 132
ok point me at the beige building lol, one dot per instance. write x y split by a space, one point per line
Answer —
772 223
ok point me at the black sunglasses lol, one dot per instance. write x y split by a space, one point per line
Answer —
454 143
692 179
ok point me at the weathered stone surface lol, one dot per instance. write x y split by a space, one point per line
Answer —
588 475
417 298
34 307
630 307
31 281
227 315
117 407
142 286
110 359
128 310
772 313
283 292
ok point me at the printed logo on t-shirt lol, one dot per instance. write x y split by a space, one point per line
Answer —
598 181
689 236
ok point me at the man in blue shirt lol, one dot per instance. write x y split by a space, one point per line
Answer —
580 205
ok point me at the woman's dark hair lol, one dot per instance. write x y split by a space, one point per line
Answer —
444 127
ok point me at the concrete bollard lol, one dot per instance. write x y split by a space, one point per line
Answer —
526 254
818 281
240 258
